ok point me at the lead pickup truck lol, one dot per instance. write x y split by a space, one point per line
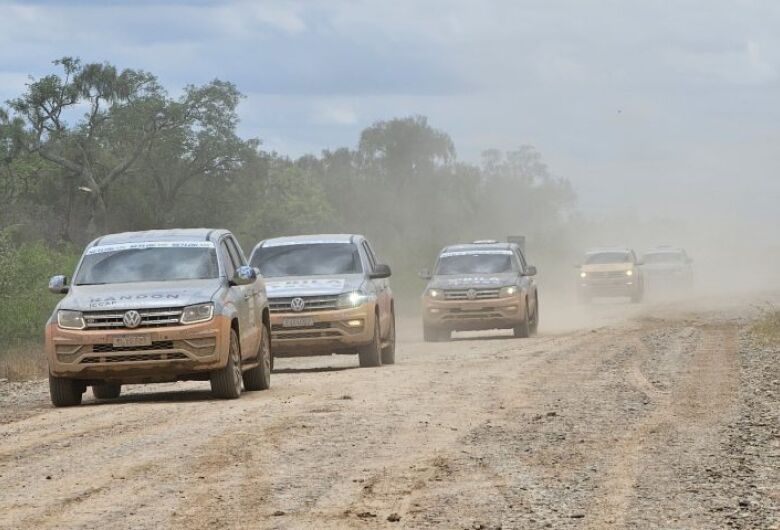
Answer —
159 306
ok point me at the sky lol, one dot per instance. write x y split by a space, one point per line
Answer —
657 108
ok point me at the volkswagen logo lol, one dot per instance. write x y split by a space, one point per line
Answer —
132 319
471 294
297 304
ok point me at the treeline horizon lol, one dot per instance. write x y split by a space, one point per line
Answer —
91 149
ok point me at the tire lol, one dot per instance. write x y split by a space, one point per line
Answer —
107 390
636 298
388 352
259 377
584 299
523 329
431 334
370 355
535 321
226 382
65 392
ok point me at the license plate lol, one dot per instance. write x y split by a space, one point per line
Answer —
131 341
297 322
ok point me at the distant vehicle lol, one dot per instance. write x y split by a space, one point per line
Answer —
610 272
668 268
159 306
479 286
328 294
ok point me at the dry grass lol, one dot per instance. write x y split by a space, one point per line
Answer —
767 328
22 361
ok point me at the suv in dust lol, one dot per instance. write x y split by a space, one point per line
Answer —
328 294
667 268
159 306
479 286
610 272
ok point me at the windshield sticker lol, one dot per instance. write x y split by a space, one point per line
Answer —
475 253
148 244
289 243
328 285
475 280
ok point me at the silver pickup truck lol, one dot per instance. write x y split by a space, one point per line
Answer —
159 306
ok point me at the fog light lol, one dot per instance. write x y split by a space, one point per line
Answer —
511 308
435 310
354 323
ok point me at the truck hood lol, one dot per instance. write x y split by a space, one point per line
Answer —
142 295
472 281
286 286
607 267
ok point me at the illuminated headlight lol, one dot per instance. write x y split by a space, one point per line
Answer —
629 273
70 319
583 275
435 293
353 299
197 313
511 290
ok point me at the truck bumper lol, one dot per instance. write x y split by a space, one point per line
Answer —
322 332
461 315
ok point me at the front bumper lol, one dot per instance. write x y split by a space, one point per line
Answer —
324 332
176 352
611 287
472 315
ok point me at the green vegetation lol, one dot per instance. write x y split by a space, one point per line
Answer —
767 328
90 149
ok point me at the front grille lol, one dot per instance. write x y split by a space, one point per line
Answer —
137 357
327 334
316 325
311 303
478 294
488 312
156 345
150 318
603 275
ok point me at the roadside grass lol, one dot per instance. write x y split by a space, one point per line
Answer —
767 327
23 361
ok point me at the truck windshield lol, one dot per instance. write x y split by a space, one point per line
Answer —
476 263
318 259
147 265
663 257
599 258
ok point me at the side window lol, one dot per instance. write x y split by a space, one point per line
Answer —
369 255
235 253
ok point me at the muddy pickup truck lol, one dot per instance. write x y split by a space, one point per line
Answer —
610 272
328 294
480 286
159 306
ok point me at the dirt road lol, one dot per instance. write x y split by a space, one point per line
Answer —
667 418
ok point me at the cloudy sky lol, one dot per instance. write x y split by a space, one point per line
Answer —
664 107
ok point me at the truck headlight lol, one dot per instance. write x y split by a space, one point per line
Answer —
508 291
353 299
583 275
435 293
629 272
67 319
194 314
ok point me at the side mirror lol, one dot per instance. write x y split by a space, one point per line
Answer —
257 271
59 284
380 271
425 274
244 275
639 263
530 271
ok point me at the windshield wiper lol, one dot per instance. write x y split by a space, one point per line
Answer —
96 283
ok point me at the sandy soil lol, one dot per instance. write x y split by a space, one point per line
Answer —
663 415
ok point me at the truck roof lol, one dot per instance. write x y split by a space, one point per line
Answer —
476 247
607 249
147 236
309 239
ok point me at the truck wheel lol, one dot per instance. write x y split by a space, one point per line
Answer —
107 390
431 334
259 377
637 297
371 354
523 329
535 321
65 392
226 382
388 352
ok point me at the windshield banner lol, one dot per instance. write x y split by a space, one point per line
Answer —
305 287
475 253
149 244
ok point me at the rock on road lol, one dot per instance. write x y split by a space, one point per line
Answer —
664 416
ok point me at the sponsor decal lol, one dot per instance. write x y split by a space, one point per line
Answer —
474 280
109 301
148 244
313 286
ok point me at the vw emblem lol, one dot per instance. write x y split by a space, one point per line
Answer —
297 304
132 319
471 294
